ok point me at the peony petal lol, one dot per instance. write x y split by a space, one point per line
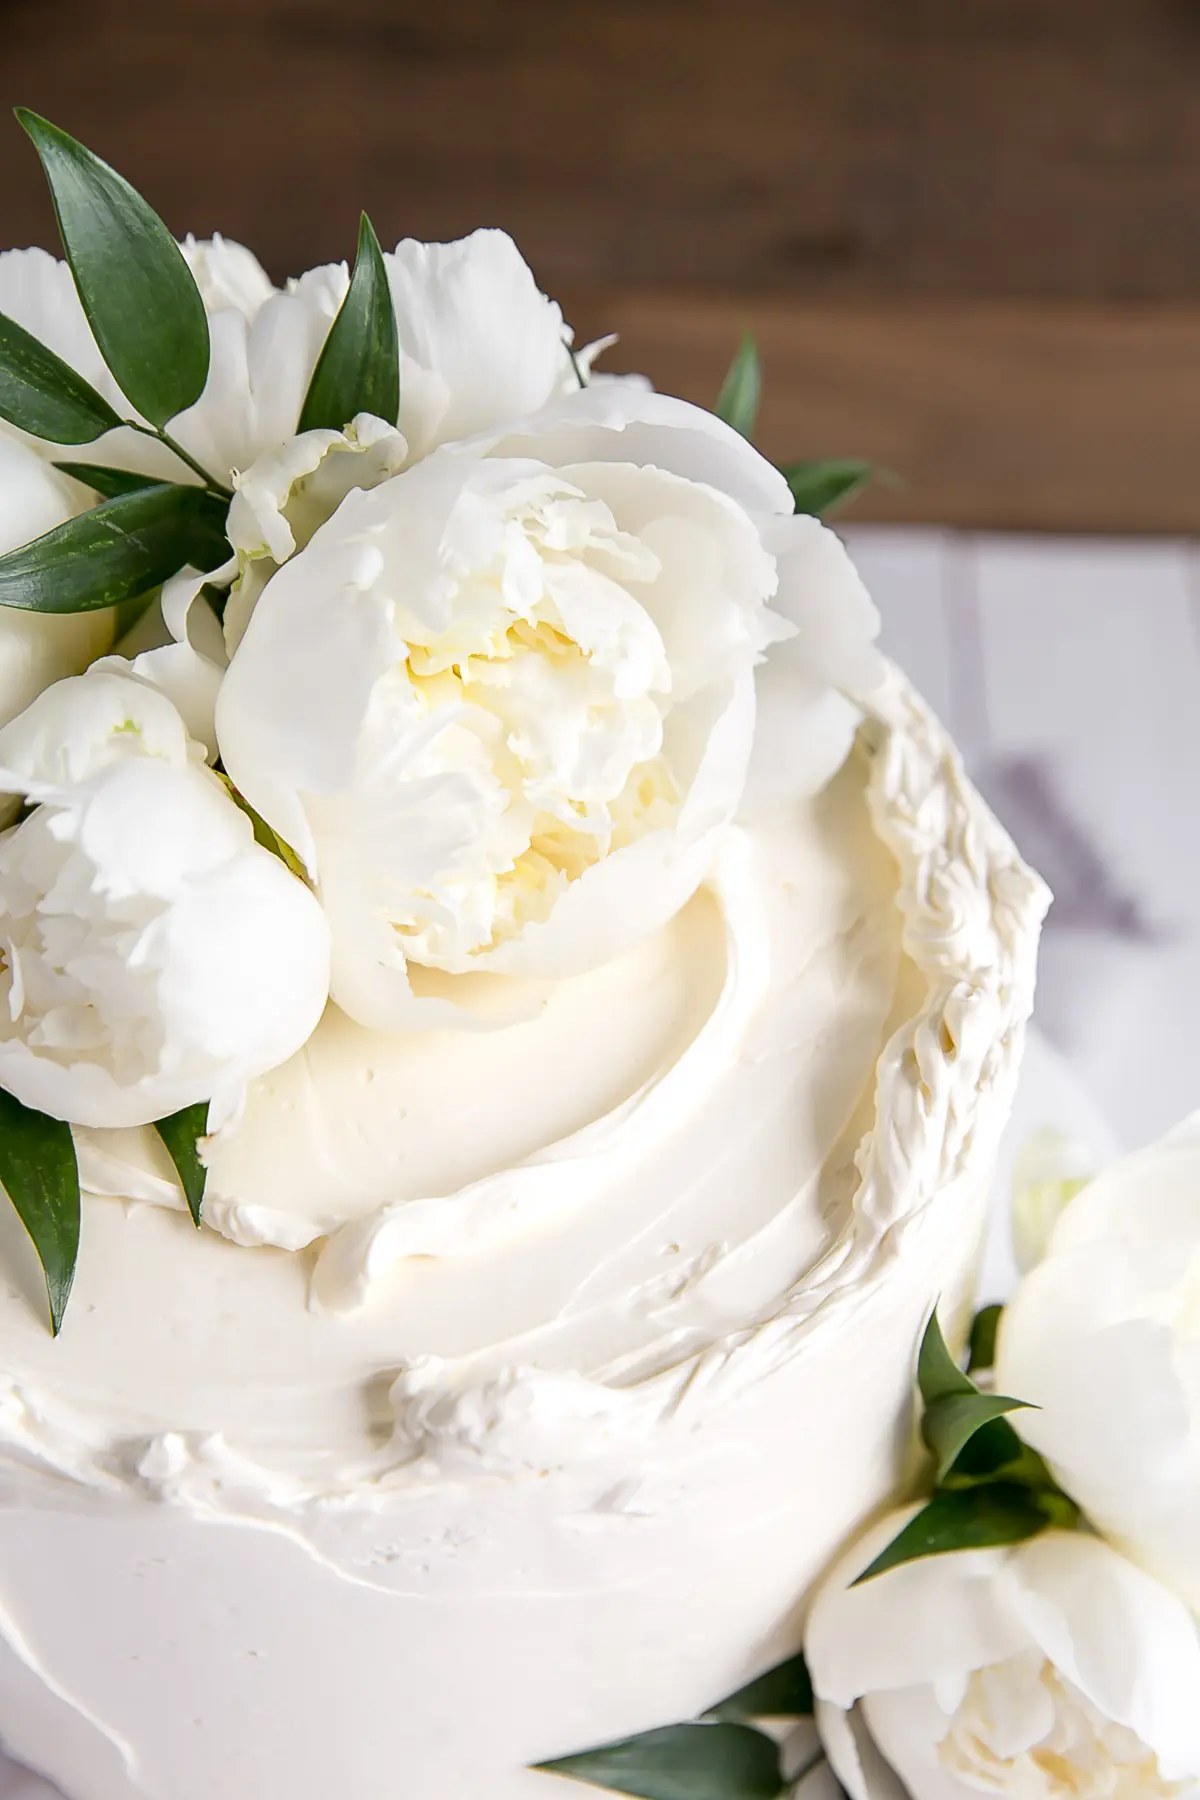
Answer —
913 1625
83 725
1127 1642
478 342
622 422
903 1727
317 644
228 275
856 1761
1101 1337
822 595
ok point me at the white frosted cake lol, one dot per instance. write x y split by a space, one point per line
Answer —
603 1348
552 1318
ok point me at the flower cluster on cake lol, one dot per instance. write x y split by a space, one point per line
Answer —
461 673
463 852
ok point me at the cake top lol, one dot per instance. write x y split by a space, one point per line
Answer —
470 664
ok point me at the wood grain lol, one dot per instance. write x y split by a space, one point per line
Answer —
967 233
997 147
1073 416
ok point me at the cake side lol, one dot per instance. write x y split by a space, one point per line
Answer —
556 1543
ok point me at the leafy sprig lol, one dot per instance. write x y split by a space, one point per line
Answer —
721 1756
149 320
818 487
989 1488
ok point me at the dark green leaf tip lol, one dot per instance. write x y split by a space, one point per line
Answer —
784 1692
118 550
978 1518
682 1762
41 394
181 1133
358 370
40 1175
737 403
133 280
938 1375
984 1330
821 487
955 1409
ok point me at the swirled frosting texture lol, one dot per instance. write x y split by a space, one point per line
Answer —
564 1360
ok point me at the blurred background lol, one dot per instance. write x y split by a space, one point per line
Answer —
966 234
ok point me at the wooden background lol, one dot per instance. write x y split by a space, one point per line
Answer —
967 232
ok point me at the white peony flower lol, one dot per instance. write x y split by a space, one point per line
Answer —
503 705
479 344
286 495
38 648
1104 1337
152 955
1054 1670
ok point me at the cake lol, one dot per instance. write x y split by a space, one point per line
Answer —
553 1319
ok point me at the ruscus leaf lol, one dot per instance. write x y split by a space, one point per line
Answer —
359 367
954 1408
938 1375
41 394
141 302
995 1451
114 552
949 1425
784 1692
737 403
109 483
984 1330
41 1177
682 1762
821 487
181 1133
975 1518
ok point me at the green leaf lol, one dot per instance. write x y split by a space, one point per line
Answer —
141 302
116 551
41 394
737 403
682 1762
265 835
954 1407
938 1375
996 1450
971 1519
821 487
41 1178
108 482
181 1133
359 367
948 1425
784 1692
984 1331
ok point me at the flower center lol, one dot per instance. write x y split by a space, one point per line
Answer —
542 699
1025 1731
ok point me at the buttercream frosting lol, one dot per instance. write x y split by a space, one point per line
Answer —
524 1378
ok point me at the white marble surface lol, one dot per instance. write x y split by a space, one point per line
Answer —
1069 672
